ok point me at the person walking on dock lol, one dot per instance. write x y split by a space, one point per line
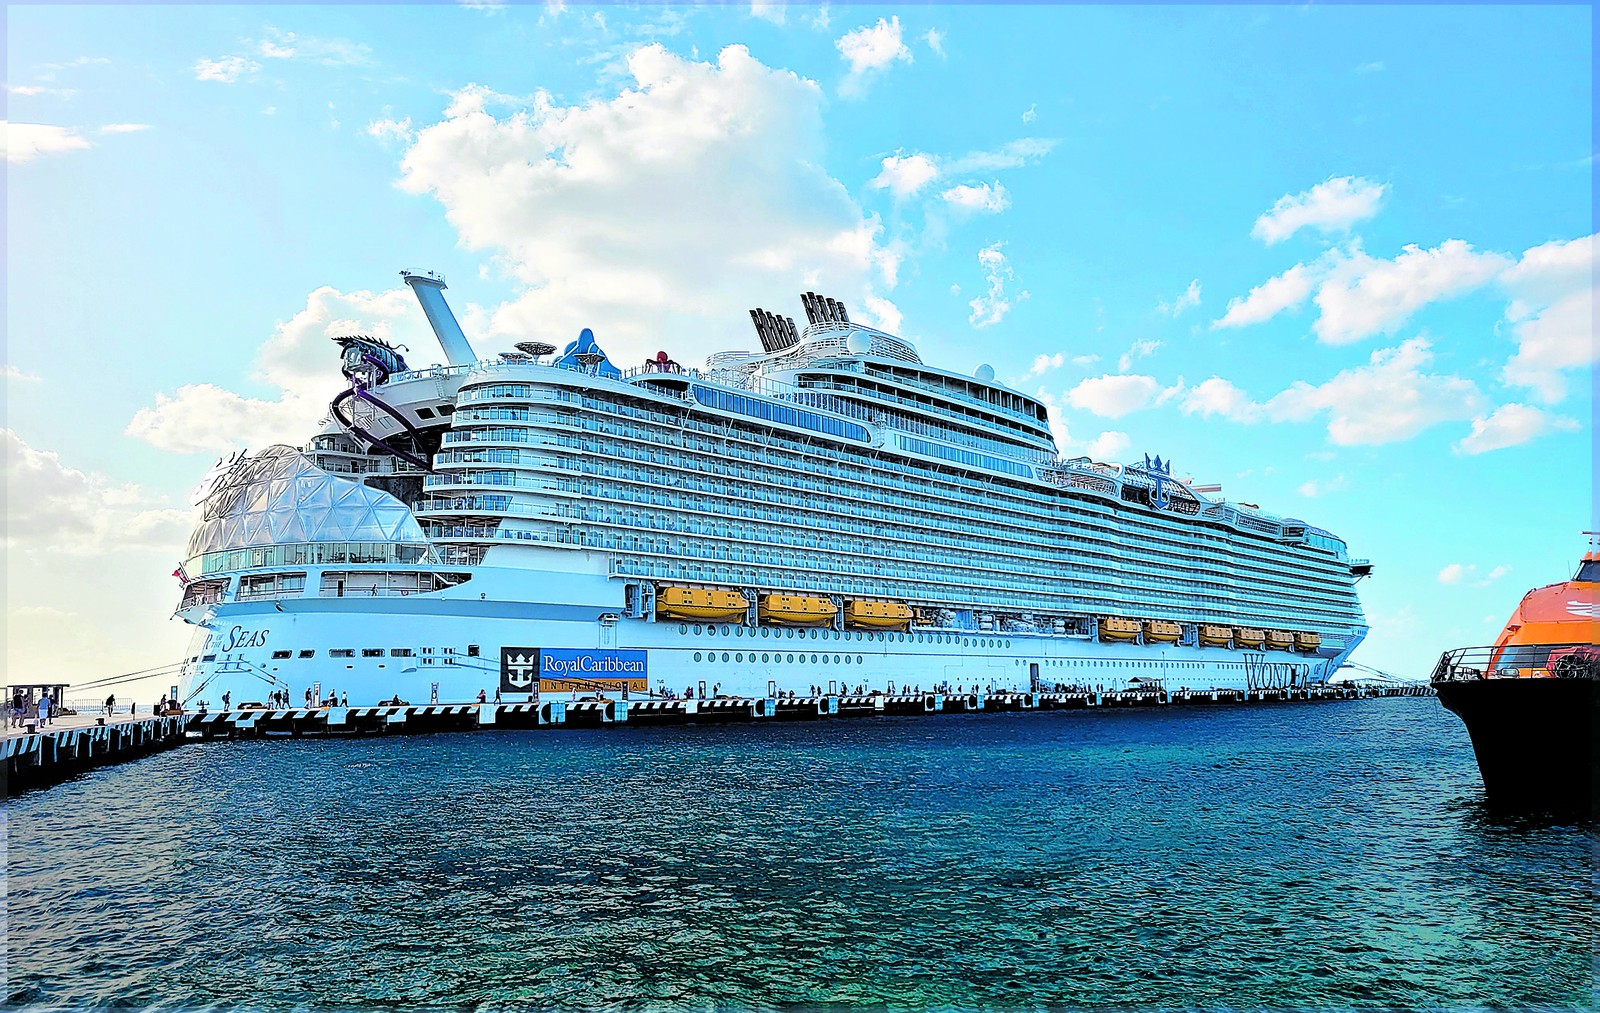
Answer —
111 704
44 709
227 699
19 705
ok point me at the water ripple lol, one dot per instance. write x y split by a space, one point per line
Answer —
1320 855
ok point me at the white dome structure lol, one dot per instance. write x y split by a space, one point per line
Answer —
279 497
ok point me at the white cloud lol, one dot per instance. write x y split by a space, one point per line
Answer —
1455 573
1388 400
281 45
1141 349
1369 68
299 362
1496 574
991 307
904 175
768 11
871 50
1321 487
1108 446
124 128
821 20
1510 425
907 175
53 508
1551 315
658 216
1031 113
1043 364
226 69
1364 296
31 90
390 130
1114 395
14 374
1331 206
1217 396
1189 299
23 142
1267 300
983 197
935 40
1085 360
1010 155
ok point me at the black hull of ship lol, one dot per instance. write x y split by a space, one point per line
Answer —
1534 739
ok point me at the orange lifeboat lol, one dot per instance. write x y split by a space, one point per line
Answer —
1216 636
1280 640
1306 643
1162 631
878 615
701 603
1117 628
796 610
1248 636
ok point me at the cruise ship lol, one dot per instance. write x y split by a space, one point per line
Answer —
828 514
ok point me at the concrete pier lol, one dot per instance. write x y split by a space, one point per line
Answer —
73 743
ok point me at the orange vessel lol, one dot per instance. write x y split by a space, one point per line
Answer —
1528 700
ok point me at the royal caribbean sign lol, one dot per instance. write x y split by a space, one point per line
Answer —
558 670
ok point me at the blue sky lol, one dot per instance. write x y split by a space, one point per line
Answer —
1338 259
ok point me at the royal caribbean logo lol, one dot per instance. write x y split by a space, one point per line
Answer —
552 670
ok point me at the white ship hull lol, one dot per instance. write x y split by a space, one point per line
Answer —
450 646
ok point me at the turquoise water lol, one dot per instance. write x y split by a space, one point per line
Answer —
1301 855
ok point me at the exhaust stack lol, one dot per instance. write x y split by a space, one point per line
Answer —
430 293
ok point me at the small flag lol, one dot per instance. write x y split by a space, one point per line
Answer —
183 578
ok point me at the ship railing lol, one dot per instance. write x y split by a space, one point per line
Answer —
1519 661
437 372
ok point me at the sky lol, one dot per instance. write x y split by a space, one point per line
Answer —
1338 259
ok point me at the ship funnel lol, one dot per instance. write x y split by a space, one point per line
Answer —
430 293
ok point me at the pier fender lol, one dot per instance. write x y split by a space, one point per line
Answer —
932 703
979 701
766 708
397 717
487 713
1030 701
337 716
691 707
877 704
553 713
827 706
616 712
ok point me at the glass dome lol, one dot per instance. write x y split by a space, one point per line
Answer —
279 497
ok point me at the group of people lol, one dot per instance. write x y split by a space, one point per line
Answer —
20 708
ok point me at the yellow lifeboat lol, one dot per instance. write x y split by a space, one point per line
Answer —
700 603
1278 640
1216 636
878 615
1115 628
1246 636
1307 642
796 610
1162 630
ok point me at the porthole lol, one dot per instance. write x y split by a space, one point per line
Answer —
738 631
763 659
802 659
764 632
710 658
697 630
697 655
824 659
724 655
835 659
813 634
739 658
813 659
789 634
847 659
683 629
791 659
